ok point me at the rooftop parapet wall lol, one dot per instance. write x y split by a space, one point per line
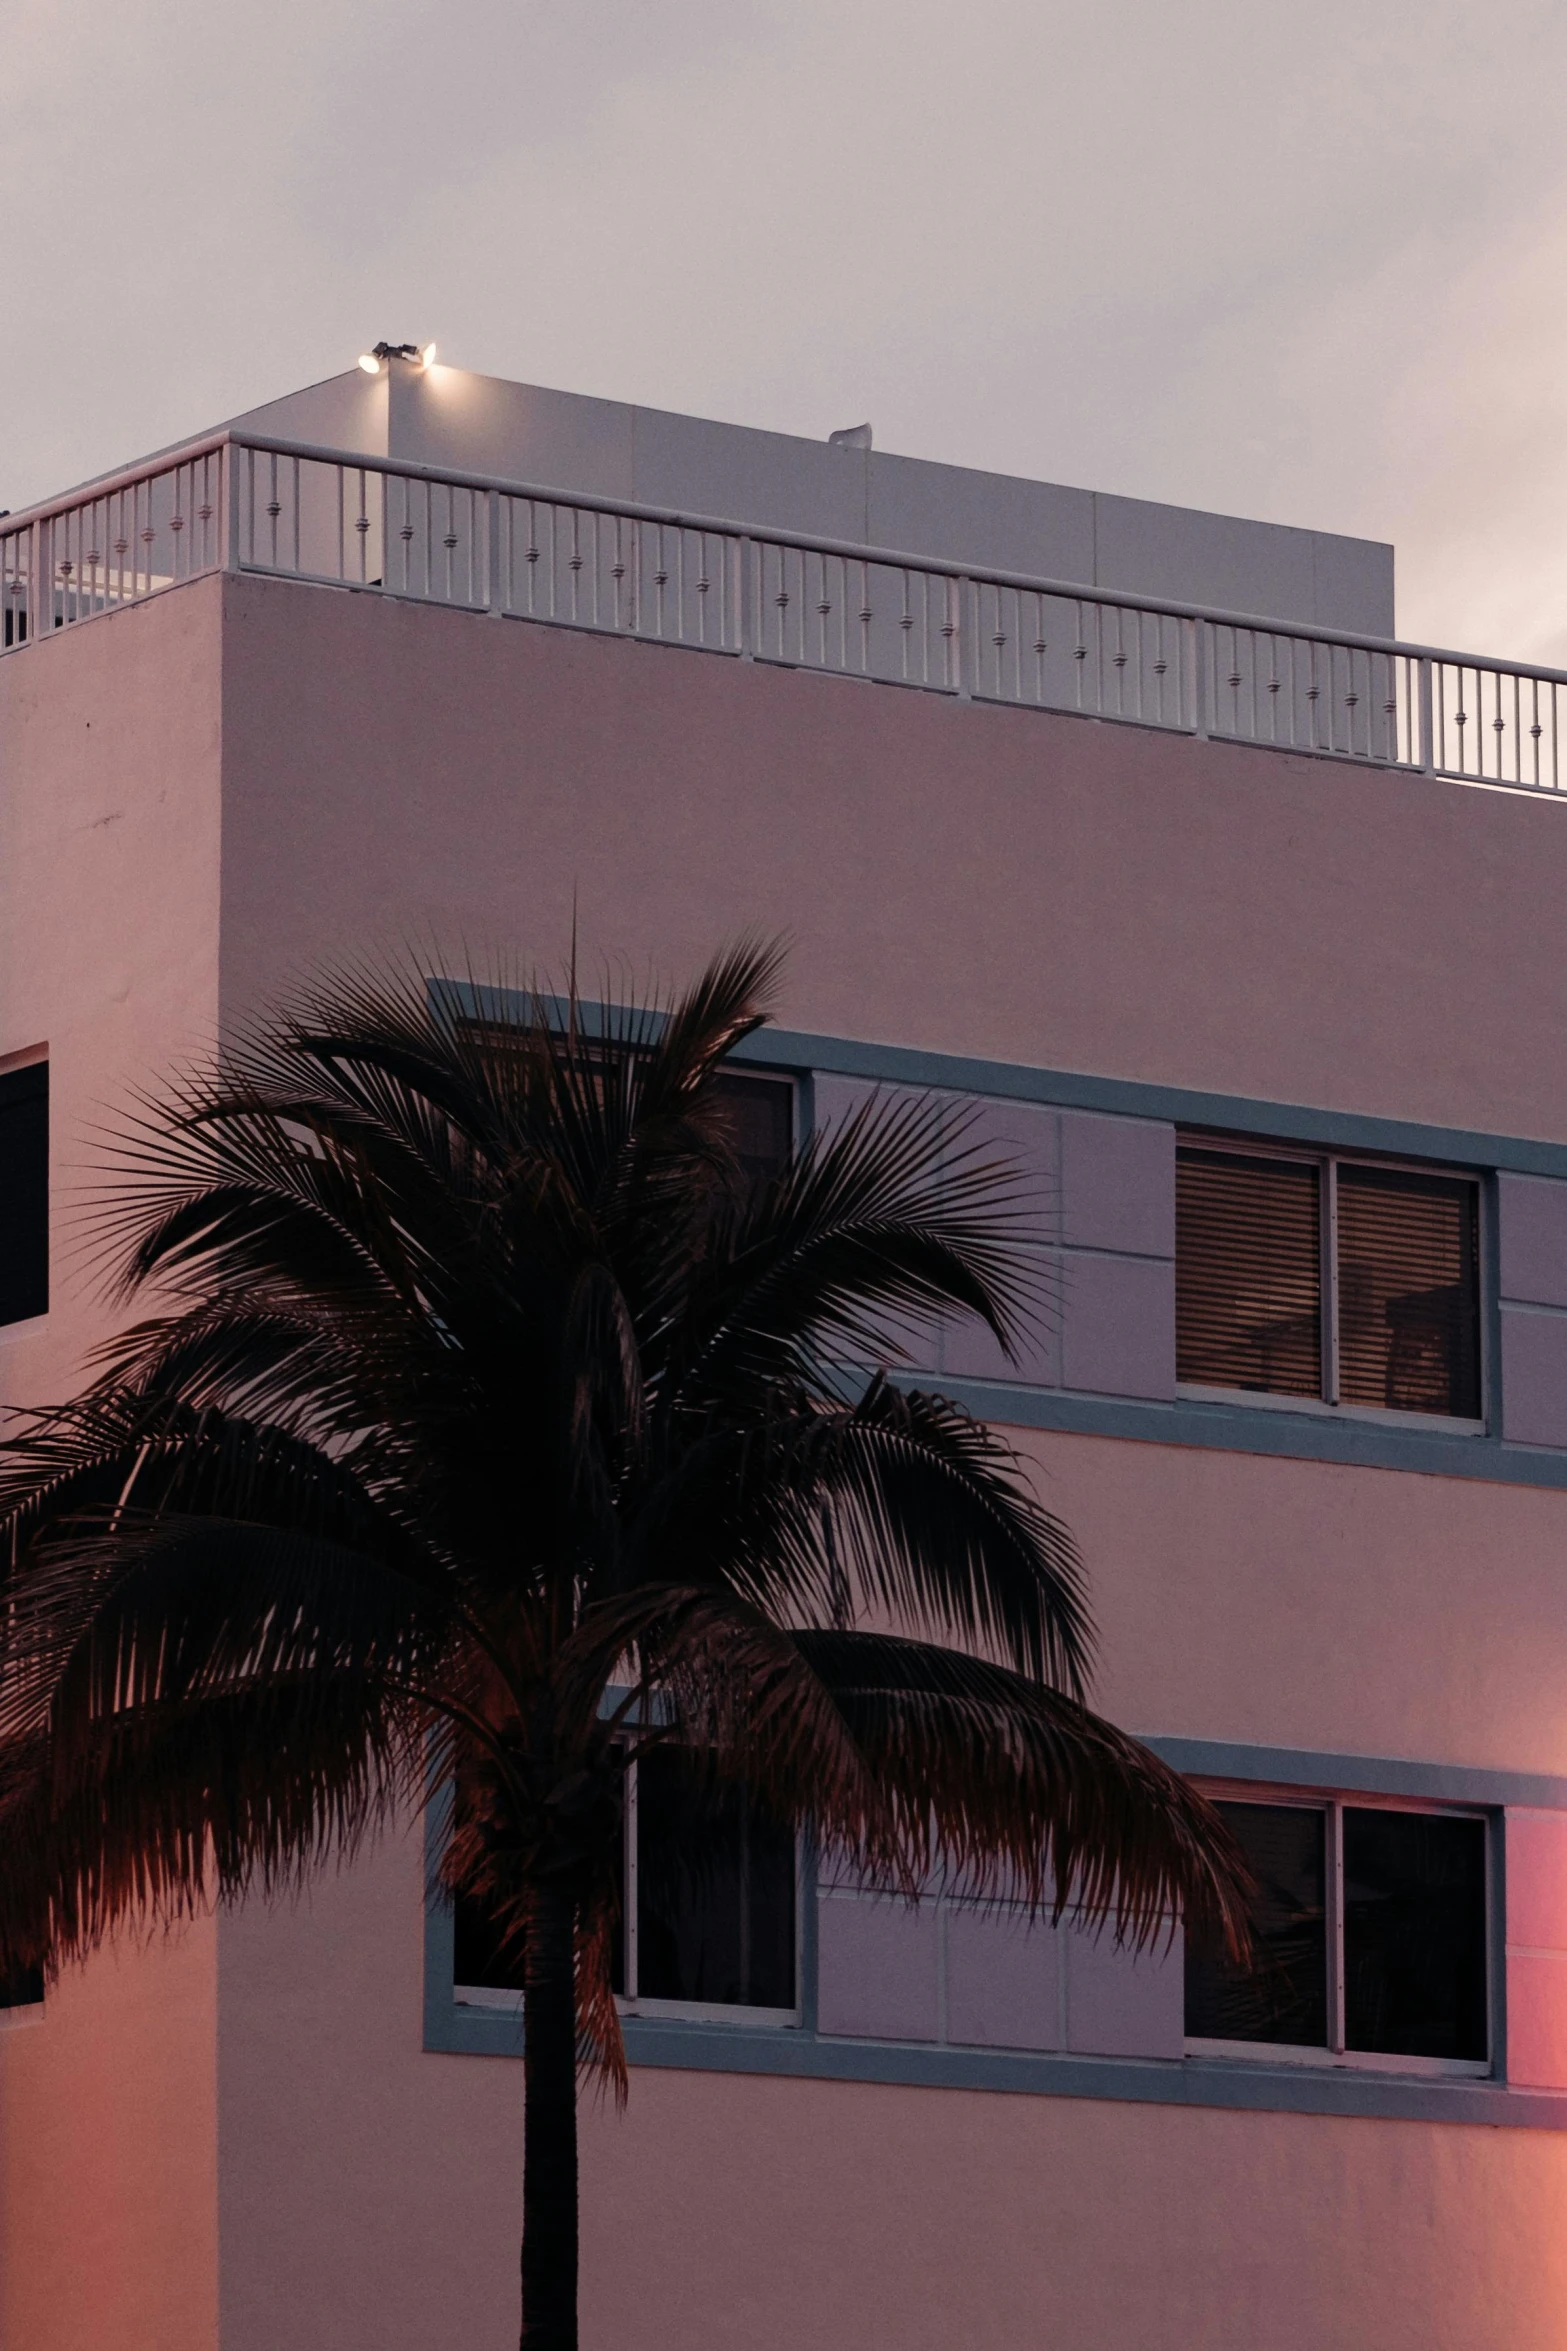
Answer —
447 416
1012 884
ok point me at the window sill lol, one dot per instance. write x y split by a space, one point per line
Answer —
1339 2061
709 2012
1315 1408
507 2003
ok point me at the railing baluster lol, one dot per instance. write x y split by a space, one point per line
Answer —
449 538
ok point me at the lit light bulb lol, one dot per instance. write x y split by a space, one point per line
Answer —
427 355
369 362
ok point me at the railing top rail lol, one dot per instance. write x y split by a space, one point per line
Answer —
124 477
892 558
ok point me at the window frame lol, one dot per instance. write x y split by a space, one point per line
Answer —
1329 1404
37 1057
631 2003
1332 1804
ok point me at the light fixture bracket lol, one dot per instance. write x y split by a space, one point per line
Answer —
380 355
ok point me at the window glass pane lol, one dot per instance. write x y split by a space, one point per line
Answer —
761 1122
477 1957
23 1988
1414 1934
24 1192
1409 1291
1248 1273
715 1892
1283 1995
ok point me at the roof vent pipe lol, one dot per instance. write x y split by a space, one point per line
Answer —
853 436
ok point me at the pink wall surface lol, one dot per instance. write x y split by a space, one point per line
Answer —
1035 888
369 2192
1537 1948
370 2196
969 880
1032 889
108 2155
1308 1604
109 864
109 824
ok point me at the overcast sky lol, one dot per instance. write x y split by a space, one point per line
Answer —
1305 263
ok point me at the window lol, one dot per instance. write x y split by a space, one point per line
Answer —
709 1908
1327 1279
1370 1938
711 1894
761 1122
24 1192
760 1109
22 1988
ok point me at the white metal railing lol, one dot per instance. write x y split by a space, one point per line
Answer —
512 551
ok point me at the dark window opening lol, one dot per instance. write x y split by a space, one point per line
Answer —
760 1118
1391 1964
714 1922
24 1192
1283 1996
22 1988
1414 1934
715 1892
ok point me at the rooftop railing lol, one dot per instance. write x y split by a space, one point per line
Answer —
511 551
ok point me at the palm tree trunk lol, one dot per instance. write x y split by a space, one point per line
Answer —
549 2165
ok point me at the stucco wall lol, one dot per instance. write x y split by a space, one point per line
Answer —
371 2196
109 825
1029 887
986 882
370 2192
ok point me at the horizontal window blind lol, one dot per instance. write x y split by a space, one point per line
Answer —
1409 1291
1248 1273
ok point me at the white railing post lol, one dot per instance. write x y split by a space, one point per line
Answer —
1199 678
1426 750
495 598
233 457
748 600
968 637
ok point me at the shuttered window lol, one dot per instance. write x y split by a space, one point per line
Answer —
24 1192
1409 1291
1324 1278
1248 1273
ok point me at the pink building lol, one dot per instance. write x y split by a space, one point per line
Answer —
1242 931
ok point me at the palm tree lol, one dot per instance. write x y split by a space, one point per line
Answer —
492 1428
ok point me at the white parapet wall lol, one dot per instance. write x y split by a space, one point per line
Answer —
447 416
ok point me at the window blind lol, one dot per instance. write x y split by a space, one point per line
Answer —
1248 1272
24 1192
1409 1283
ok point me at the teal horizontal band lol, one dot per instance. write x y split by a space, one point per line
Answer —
1238 1427
1342 1130
1371 1775
800 1051
798 2054
1304 1436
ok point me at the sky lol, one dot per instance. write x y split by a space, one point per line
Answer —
1308 264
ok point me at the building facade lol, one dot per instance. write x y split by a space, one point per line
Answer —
1138 836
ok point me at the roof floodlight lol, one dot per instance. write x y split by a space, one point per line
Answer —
427 355
369 362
